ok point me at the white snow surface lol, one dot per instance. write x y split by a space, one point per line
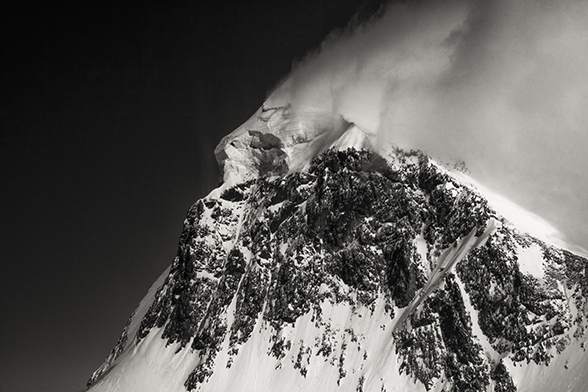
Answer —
151 366
530 260
567 372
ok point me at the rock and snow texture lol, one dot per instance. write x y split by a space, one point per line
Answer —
322 266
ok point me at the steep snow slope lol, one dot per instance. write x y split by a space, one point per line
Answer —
520 218
319 265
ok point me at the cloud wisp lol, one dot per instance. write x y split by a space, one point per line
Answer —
500 84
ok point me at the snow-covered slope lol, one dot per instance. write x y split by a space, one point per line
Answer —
320 265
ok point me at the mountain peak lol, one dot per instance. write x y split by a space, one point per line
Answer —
342 269
279 140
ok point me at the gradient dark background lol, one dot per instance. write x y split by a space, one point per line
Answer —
108 120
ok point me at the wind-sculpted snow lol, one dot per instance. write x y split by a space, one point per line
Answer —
284 139
361 273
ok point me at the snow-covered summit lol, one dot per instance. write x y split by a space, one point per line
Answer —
281 140
339 269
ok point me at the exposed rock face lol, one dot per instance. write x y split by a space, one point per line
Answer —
350 271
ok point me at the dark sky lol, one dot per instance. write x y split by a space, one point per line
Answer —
108 120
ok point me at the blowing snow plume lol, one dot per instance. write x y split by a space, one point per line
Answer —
502 85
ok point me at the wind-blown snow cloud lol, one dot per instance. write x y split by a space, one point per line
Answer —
501 84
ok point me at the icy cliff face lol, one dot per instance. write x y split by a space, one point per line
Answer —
322 267
280 140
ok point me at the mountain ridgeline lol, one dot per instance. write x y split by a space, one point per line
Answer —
337 277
